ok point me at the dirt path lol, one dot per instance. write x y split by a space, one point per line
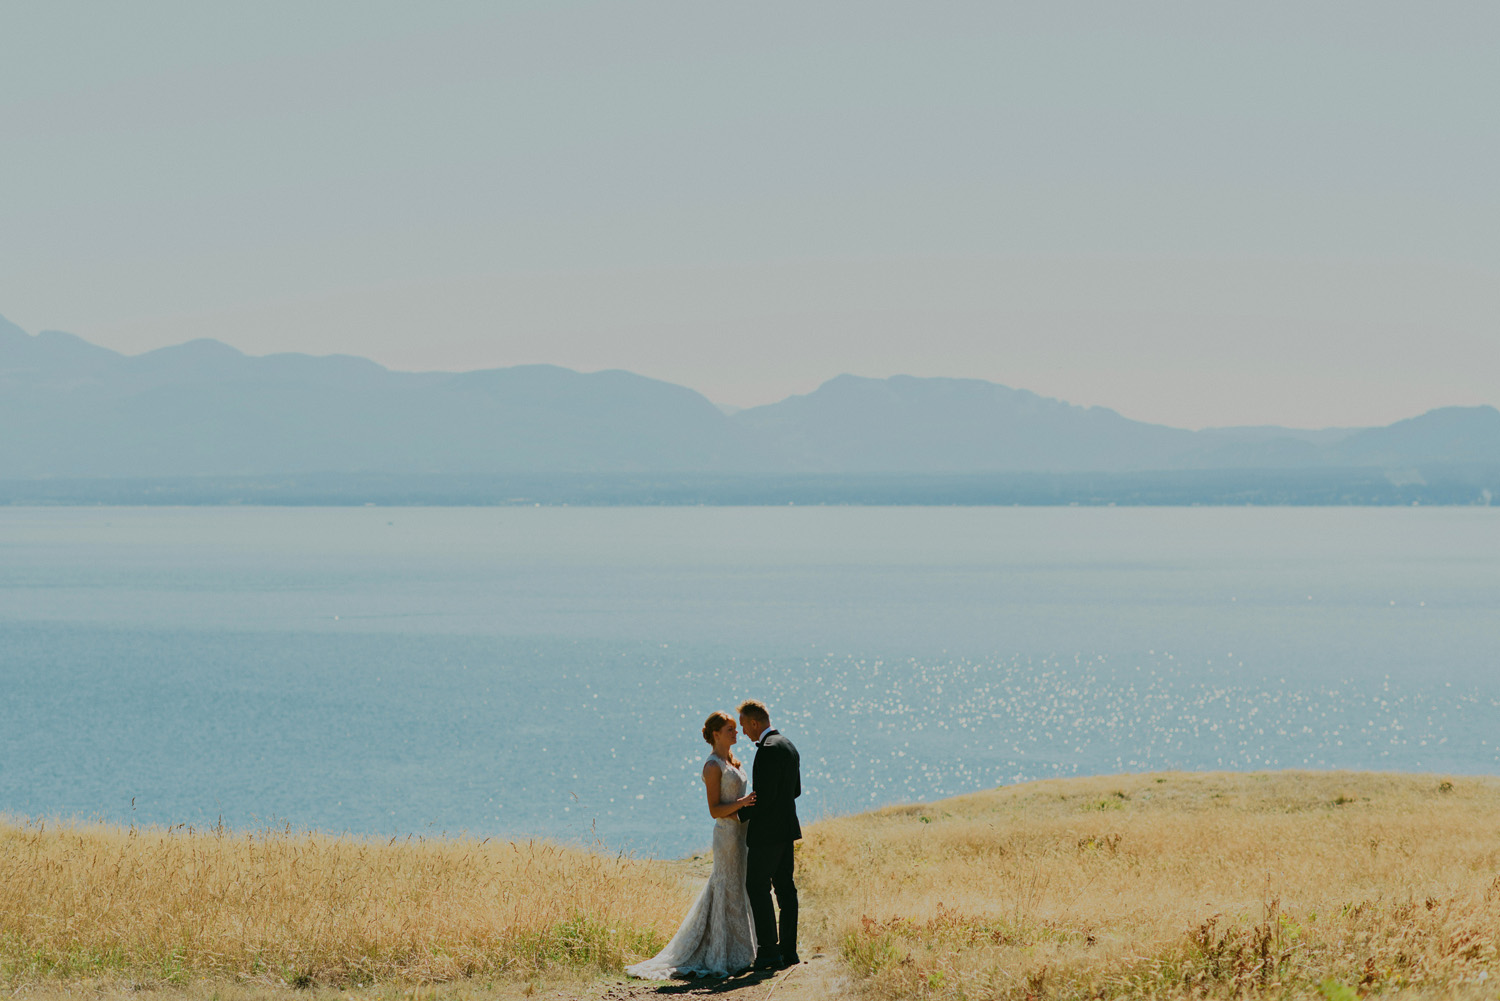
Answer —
818 979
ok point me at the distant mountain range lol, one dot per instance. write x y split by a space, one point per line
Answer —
71 409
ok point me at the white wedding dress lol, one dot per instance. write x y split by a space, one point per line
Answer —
717 938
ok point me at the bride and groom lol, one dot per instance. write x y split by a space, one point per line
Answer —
732 927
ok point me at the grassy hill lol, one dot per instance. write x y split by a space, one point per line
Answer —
1217 885
1287 884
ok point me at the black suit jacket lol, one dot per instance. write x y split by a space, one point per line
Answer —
777 783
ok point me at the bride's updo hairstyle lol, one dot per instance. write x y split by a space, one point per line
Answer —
713 725
717 721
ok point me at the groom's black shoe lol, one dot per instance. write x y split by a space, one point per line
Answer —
787 962
768 961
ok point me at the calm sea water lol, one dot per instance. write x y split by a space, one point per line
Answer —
546 671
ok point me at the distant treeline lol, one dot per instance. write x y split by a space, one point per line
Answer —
1451 485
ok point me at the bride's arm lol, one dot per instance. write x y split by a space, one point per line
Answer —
711 775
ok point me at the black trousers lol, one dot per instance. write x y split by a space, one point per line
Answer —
771 866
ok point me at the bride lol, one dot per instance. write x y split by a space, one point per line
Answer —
717 938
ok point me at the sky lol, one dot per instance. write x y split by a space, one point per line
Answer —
1197 214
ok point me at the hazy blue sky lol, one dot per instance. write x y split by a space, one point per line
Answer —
1194 213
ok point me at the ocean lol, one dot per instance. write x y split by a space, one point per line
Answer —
544 672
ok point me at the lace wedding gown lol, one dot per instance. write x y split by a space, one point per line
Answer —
717 938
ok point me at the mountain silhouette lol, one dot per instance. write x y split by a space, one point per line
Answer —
1449 435
69 408
906 424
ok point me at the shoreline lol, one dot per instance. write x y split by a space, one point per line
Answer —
1435 484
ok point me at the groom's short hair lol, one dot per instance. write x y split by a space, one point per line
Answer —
755 709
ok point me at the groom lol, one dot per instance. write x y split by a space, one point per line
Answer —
773 828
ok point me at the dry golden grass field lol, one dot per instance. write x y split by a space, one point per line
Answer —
1271 885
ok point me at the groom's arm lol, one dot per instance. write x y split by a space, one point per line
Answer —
747 811
757 782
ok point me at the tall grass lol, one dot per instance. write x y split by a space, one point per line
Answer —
1160 886
303 908
1177 885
